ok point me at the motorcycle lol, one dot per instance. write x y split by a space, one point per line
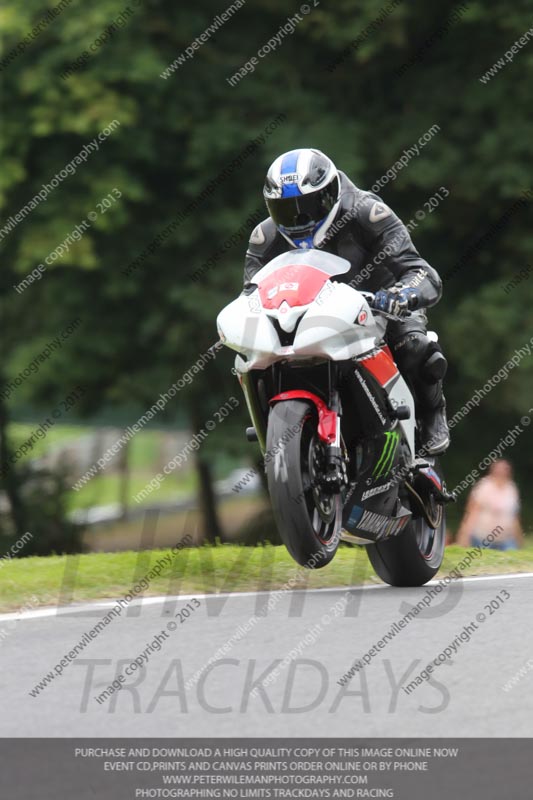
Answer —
335 420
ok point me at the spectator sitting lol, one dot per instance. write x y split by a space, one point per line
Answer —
494 502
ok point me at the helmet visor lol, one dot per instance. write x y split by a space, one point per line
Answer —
301 214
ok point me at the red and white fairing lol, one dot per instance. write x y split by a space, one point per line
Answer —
297 289
329 320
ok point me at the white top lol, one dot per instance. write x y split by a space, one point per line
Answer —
495 505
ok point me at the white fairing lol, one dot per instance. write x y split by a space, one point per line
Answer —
400 395
336 324
244 327
329 328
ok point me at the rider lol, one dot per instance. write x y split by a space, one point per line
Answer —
313 205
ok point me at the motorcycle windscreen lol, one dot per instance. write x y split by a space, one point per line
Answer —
326 262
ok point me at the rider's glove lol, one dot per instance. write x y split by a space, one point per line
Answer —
397 300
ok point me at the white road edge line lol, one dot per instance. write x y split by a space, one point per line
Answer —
53 611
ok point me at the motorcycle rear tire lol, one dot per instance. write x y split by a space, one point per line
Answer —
414 557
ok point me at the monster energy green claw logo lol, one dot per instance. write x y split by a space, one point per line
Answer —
387 456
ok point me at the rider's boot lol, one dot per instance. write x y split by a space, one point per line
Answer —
434 431
422 361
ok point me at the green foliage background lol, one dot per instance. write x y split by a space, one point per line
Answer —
141 331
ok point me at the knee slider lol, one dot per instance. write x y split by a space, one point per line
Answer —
416 352
435 365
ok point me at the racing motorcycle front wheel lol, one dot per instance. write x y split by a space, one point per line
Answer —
308 517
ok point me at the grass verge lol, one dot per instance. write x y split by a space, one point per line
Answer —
59 580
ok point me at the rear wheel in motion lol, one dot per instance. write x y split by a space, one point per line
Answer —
401 560
415 556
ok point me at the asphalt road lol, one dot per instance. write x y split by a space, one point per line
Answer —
465 695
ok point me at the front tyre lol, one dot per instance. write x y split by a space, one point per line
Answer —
308 519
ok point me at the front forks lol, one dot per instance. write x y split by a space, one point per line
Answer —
336 475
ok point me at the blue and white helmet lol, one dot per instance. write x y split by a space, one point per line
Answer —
302 194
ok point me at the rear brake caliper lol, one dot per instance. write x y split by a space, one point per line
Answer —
428 480
428 491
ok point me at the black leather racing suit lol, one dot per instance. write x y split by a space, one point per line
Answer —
378 246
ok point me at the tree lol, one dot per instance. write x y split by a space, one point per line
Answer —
400 72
